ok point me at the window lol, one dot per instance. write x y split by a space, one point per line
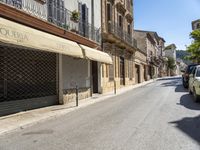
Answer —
56 12
120 21
193 70
109 13
198 72
129 29
198 25
83 21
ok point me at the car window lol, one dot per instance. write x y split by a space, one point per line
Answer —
198 72
190 69
193 70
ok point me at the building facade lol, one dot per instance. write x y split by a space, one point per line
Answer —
43 61
148 42
162 69
118 42
170 52
196 24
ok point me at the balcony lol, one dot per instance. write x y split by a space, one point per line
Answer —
121 34
29 6
57 15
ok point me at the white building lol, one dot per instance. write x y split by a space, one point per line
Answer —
170 51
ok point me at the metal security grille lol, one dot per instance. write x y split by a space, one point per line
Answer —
26 74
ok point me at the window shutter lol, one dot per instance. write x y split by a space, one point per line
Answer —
86 21
63 18
80 18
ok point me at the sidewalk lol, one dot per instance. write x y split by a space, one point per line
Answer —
28 118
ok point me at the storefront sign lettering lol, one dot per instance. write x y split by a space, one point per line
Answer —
20 37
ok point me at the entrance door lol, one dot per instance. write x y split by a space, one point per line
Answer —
95 76
122 71
137 74
145 73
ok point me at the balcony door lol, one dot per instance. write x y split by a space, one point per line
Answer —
120 26
83 23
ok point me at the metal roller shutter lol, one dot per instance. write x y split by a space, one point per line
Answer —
27 79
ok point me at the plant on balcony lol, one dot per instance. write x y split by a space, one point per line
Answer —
66 27
75 16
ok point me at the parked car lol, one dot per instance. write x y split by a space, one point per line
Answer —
186 73
194 83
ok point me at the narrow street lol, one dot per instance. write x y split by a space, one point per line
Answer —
157 116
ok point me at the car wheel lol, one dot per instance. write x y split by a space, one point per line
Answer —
196 97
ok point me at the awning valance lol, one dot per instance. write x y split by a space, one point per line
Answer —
96 55
14 33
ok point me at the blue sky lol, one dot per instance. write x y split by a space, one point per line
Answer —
171 19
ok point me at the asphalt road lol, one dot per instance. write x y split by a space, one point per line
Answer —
158 116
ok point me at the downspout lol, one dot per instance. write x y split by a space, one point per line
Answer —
92 19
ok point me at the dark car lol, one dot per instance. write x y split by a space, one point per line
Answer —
187 72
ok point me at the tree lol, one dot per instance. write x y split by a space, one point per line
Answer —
194 48
171 64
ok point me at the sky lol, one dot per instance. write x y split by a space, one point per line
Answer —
171 19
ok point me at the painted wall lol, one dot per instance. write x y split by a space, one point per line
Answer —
75 72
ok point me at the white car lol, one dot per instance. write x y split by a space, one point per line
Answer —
194 83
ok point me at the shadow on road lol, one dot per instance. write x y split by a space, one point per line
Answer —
169 78
187 101
171 83
190 126
180 88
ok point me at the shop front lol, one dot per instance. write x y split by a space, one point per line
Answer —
37 67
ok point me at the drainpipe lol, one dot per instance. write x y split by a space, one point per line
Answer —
92 19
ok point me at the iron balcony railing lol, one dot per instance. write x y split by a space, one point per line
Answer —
29 6
58 15
62 17
118 31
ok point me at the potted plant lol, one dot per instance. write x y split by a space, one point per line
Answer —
75 16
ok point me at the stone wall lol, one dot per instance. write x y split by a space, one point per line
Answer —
69 95
107 84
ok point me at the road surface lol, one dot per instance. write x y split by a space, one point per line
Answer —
158 116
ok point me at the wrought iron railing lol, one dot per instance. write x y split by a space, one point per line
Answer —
59 16
30 6
121 34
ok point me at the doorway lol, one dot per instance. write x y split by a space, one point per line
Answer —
122 71
137 74
94 77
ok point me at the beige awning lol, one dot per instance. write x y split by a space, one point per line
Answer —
14 33
96 55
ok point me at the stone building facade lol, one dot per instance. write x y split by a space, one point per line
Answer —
118 42
196 24
140 66
152 45
170 51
